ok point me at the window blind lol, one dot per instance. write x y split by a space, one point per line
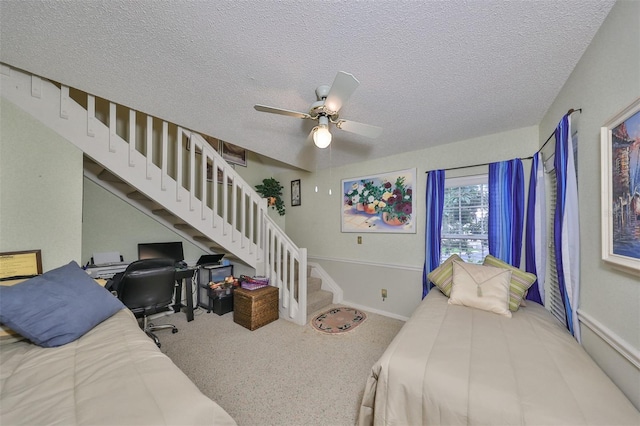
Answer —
554 300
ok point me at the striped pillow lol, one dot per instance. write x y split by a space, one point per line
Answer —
520 281
442 276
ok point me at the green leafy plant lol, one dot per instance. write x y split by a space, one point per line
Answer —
272 190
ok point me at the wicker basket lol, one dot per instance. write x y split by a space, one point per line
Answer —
254 308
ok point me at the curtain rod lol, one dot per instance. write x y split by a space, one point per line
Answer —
571 111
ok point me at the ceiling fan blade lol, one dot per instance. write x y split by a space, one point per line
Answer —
359 128
343 86
272 110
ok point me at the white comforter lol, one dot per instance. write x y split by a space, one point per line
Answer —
453 365
113 375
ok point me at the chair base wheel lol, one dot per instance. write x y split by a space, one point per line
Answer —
174 331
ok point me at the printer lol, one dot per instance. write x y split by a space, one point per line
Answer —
106 265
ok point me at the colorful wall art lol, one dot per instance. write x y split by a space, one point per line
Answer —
384 202
620 139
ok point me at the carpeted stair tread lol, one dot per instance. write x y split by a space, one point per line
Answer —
317 300
313 284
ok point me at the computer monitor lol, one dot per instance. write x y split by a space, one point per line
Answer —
161 250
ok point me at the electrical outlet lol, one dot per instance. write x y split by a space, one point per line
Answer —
384 293
359 239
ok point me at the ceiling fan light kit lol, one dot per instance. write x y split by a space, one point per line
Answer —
326 109
321 134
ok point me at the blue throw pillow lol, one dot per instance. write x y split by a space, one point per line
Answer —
57 307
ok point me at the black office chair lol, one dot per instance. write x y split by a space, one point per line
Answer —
146 287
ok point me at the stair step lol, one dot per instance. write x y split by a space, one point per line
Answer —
314 284
107 176
318 300
137 195
212 244
182 226
202 239
162 212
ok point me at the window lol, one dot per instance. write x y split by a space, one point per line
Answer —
464 221
553 300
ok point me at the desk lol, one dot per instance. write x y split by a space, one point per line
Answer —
184 275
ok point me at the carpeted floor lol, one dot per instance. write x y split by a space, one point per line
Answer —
282 373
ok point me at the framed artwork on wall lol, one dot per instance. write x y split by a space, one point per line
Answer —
20 264
213 142
295 193
380 203
620 145
234 154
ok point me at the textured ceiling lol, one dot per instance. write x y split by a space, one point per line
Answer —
430 72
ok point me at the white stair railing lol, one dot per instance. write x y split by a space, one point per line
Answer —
177 169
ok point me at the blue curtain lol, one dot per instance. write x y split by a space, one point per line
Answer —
433 229
506 210
536 230
566 225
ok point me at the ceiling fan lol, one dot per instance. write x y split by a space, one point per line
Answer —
326 110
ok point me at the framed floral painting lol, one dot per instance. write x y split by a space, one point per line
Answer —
620 140
380 203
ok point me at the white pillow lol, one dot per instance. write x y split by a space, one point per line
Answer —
481 287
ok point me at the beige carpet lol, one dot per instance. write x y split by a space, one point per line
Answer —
282 373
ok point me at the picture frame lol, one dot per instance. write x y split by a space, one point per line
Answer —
20 264
295 193
216 144
382 203
620 158
234 154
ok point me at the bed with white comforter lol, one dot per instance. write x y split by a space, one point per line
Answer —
456 365
112 375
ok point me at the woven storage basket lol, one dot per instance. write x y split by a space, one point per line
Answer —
254 308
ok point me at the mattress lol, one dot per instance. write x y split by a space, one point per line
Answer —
113 375
454 365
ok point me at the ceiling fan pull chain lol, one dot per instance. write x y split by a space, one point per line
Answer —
330 170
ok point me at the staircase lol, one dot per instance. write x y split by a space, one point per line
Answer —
171 174
317 299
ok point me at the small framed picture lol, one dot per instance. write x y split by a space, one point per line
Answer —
234 154
295 192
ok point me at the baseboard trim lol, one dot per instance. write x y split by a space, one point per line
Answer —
360 262
375 311
612 339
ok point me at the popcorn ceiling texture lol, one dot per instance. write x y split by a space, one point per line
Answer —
430 72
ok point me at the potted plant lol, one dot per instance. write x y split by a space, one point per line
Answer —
272 191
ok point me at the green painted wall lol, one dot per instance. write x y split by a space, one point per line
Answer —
605 81
40 189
